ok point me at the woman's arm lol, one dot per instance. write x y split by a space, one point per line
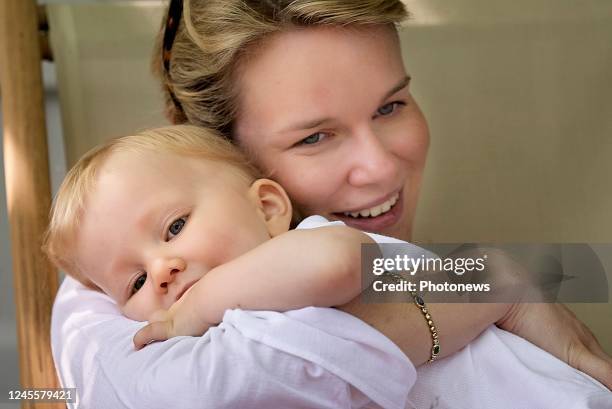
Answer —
551 327
403 323
312 267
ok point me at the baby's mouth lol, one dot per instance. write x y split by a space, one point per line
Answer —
185 289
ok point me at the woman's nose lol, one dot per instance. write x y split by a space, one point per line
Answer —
373 163
163 271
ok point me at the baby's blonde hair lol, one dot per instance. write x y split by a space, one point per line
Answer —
70 201
197 69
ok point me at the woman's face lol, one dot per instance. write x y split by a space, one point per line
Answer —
327 113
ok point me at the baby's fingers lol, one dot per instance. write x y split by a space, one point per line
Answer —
154 331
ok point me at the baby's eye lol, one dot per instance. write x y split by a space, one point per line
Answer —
389 108
140 281
175 227
313 139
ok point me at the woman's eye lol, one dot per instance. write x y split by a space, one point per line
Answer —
175 227
312 139
389 108
140 281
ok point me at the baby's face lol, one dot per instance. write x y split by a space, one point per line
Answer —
157 223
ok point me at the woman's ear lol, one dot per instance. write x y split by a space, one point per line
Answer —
273 203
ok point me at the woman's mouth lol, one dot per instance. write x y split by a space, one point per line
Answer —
375 210
375 218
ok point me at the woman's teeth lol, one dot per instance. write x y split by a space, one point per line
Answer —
376 210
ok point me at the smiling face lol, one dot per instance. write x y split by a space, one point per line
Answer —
156 223
327 113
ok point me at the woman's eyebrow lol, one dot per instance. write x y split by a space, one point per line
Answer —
400 85
314 123
308 124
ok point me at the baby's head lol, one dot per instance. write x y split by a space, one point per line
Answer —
143 217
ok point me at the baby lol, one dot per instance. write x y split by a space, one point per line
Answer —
177 226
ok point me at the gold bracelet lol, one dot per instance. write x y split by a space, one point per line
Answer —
435 347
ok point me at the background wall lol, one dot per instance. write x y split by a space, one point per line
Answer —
517 99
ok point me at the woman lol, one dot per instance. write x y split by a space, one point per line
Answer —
317 93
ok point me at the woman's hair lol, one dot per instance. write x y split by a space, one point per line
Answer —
202 42
70 201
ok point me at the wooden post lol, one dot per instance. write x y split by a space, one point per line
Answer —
28 191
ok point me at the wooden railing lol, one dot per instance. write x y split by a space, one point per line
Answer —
28 190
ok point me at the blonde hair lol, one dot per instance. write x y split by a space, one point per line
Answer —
213 35
70 201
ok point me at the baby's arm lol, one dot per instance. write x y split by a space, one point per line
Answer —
307 267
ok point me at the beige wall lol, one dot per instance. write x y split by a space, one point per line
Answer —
517 95
102 54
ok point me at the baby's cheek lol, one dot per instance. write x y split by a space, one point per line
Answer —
136 313
226 246
141 306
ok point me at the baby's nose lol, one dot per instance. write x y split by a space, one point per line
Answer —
163 271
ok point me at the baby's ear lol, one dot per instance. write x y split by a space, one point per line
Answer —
273 203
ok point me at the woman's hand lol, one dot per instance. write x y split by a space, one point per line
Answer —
552 327
180 319
555 329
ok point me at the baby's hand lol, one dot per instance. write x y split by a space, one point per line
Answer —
180 319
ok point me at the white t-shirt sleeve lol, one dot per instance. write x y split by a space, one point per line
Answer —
253 359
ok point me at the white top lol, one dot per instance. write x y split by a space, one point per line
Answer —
499 370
